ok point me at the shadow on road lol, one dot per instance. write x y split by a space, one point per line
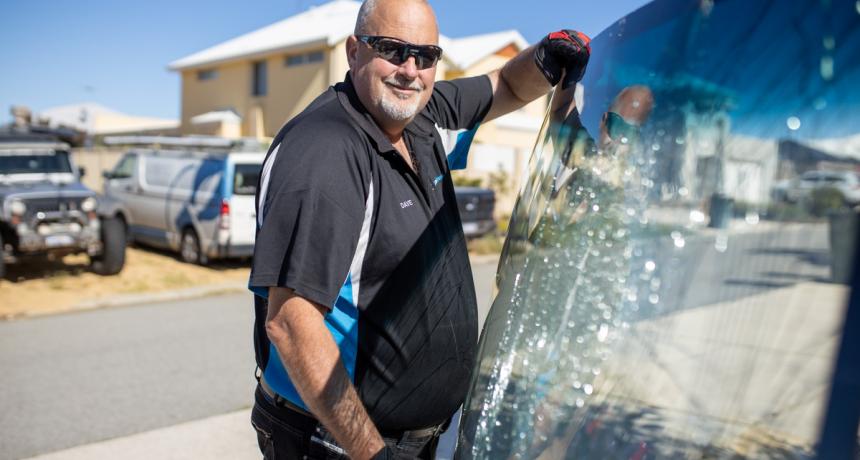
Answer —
46 268
809 256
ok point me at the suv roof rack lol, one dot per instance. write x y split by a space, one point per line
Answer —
189 142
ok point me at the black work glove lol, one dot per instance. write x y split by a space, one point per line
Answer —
565 51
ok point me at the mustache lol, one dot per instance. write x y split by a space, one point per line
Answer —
416 85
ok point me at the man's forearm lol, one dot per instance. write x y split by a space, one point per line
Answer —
523 76
516 84
312 358
560 57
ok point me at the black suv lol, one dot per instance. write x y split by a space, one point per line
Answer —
46 210
476 210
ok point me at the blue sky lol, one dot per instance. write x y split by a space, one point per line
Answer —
116 53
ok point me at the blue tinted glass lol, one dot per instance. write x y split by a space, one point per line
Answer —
675 276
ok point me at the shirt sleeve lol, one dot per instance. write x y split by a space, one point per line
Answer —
312 213
461 103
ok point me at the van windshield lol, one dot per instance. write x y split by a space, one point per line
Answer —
245 179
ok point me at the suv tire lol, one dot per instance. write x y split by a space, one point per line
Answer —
112 258
189 248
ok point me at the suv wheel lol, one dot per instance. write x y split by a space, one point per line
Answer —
112 258
189 248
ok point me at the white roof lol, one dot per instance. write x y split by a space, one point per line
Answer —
328 25
223 116
464 52
325 24
843 147
97 119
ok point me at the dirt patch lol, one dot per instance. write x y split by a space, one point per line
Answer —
40 287
52 286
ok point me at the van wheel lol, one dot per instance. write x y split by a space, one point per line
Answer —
189 248
112 258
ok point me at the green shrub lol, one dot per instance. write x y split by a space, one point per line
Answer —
790 212
461 180
824 200
487 244
502 224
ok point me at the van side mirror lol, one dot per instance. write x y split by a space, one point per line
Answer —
107 175
81 171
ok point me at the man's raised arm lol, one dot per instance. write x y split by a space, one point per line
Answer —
535 70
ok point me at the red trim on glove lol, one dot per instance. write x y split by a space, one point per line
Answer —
559 35
585 40
562 35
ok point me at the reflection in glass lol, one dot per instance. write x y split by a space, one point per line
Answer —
669 287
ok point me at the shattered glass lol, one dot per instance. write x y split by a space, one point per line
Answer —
668 287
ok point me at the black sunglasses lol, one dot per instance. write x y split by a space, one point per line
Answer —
398 51
619 129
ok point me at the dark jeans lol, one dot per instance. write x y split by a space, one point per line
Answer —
281 436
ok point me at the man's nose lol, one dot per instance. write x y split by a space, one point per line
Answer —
408 68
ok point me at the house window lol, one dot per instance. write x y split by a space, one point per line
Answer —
259 77
207 74
295 60
306 58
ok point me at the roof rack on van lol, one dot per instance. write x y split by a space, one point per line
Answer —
189 142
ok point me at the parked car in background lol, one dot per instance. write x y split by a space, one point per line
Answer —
476 207
800 188
45 210
191 195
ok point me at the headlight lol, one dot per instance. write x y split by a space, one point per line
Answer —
89 204
18 207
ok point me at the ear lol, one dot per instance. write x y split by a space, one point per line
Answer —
352 51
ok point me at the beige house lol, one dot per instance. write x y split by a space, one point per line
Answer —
252 84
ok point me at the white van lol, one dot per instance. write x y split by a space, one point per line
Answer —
192 198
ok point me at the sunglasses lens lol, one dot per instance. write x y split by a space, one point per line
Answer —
390 51
397 52
426 56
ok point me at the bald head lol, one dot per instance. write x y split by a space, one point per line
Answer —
395 18
634 104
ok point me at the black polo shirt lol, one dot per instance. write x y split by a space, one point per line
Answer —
346 223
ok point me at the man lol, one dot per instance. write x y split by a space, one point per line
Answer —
366 322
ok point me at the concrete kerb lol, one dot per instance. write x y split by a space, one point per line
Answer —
164 296
200 291
124 300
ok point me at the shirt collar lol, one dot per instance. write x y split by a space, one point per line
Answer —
352 104
348 98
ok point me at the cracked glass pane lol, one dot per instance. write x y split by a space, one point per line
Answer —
675 277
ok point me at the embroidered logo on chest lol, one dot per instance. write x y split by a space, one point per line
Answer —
406 204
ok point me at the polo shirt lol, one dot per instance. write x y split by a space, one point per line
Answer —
346 223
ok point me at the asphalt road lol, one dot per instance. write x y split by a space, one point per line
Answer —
746 264
79 378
